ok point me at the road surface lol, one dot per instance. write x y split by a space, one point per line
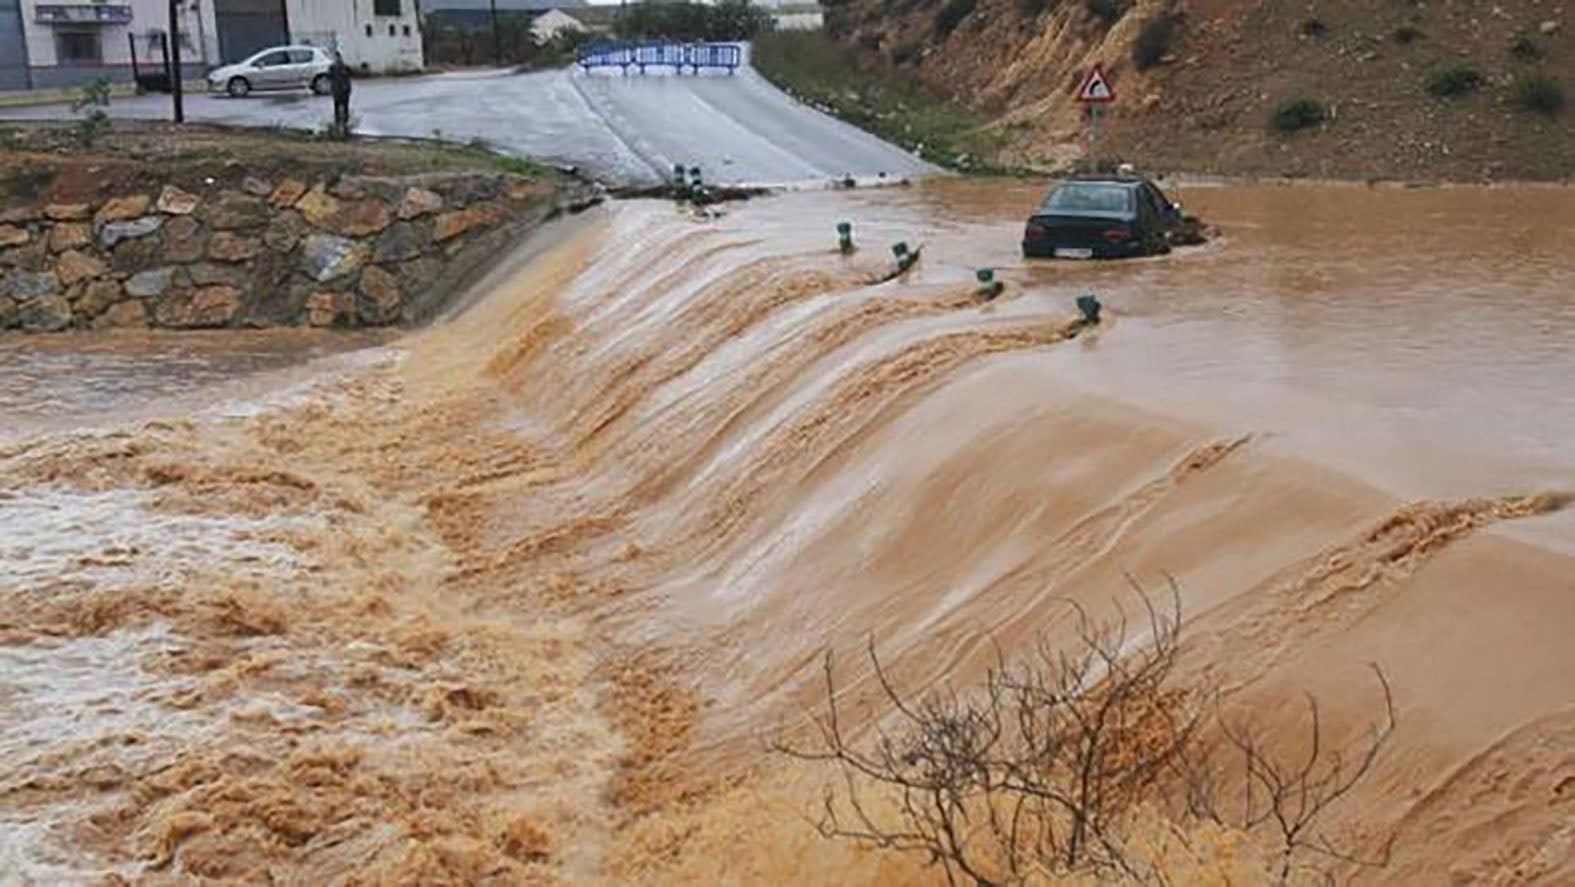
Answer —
620 130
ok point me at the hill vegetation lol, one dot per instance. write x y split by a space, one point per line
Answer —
1459 91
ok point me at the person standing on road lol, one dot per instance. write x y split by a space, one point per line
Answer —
339 85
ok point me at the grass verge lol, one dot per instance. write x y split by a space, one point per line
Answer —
821 72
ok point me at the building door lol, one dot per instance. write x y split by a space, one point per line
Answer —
246 26
13 47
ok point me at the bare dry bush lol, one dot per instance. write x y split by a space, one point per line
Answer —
1055 764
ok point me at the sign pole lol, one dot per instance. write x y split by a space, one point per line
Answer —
1094 94
175 72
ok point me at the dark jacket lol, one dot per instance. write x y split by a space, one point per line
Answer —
339 80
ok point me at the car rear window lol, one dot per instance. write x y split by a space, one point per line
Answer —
1089 197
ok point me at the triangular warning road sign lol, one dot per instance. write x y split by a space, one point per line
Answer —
1095 88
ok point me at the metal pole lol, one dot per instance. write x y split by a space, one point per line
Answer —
497 37
175 71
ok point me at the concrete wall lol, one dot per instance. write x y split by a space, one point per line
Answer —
383 44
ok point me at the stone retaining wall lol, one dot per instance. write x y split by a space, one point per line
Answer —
357 252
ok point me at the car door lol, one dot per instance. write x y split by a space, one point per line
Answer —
271 69
301 64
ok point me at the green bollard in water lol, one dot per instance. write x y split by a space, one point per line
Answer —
989 287
1089 306
845 237
905 258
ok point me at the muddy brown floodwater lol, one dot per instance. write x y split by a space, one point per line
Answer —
516 598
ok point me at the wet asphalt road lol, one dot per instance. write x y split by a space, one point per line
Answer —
620 130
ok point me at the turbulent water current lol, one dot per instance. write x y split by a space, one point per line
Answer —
520 597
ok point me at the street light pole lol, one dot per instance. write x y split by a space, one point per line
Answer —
175 71
497 38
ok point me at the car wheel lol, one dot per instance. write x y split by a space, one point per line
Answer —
320 85
239 87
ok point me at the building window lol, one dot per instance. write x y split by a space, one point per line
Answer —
385 7
392 31
407 30
78 48
368 30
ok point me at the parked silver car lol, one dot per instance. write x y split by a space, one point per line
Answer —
282 67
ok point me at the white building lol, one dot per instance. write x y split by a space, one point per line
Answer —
377 36
552 23
51 44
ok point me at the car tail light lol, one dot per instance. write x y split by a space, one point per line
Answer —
1035 230
1116 235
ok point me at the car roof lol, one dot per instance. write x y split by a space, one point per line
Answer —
1125 181
286 46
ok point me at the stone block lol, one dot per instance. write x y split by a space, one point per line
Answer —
130 313
68 212
325 257
176 202
114 232
120 209
379 299
97 297
73 267
419 202
227 246
47 314
207 307
288 193
26 285
452 224
360 219
150 284
402 241
137 254
233 211
70 235
284 231
184 240
318 208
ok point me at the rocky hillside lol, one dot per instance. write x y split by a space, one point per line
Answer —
1448 89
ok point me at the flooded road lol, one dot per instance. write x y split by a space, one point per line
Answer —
507 597
1419 337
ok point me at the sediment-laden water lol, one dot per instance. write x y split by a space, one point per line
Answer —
519 596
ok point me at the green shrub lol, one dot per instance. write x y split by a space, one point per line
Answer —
95 121
1108 11
1525 49
1539 93
832 77
1155 39
1313 27
951 15
1297 114
1454 82
1406 34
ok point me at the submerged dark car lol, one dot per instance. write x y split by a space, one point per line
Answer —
1107 217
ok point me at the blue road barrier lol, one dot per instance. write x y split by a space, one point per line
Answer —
659 54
